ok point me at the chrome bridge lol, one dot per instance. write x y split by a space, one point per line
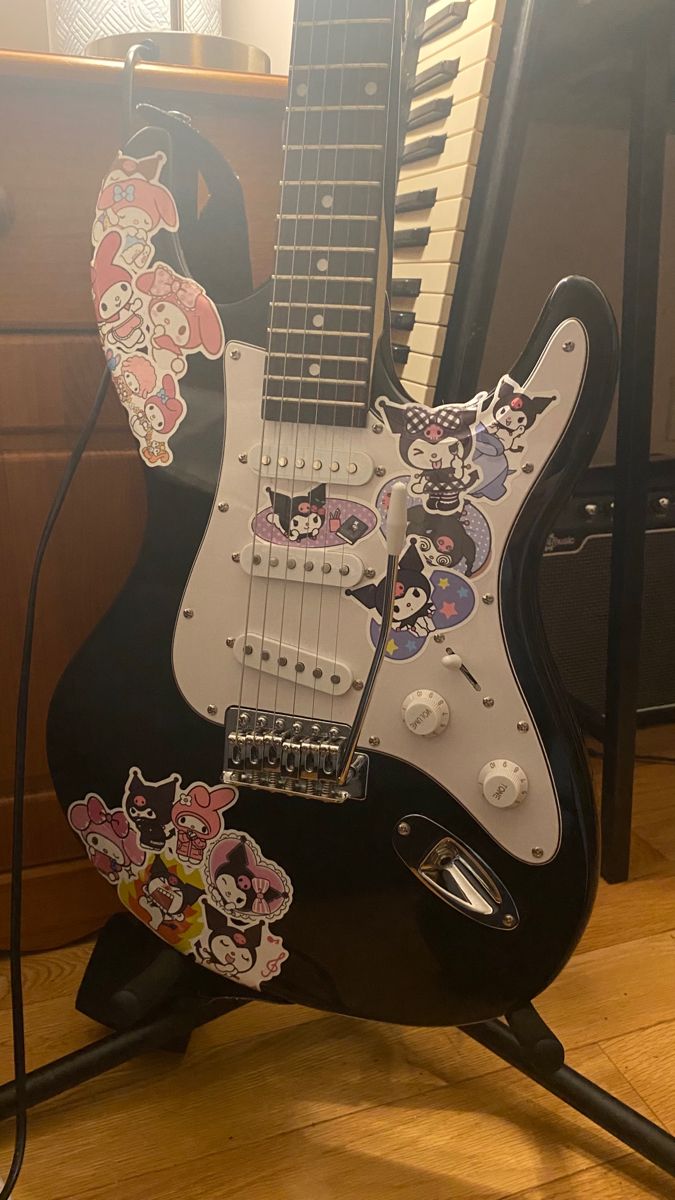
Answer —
278 752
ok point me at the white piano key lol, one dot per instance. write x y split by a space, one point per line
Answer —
422 368
472 79
480 47
448 214
423 338
416 391
480 14
450 183
435 276
429 307
443 248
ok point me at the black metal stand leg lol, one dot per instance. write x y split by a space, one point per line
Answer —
649 113
624 1123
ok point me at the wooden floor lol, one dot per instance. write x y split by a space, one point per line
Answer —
293 1105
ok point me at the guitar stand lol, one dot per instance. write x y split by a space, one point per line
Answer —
153 998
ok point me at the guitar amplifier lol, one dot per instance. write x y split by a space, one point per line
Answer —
574 583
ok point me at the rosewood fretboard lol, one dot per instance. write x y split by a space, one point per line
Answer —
336 135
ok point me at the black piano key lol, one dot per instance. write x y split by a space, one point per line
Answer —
428 147
443 21
406 287
404 238
440 72
403 319
400 353
435 110
414 201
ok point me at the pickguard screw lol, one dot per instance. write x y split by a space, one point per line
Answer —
373 741
369 573
509 921
488 702
358 685
211 709
378 428
235 354
522 726
235 557
528 468
439 637
488 598
243 458
537 852
567 346
403 829
229 642
380 471
188 613
223 507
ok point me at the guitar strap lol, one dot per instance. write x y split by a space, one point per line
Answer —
170 252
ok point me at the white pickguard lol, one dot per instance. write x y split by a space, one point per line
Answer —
324 621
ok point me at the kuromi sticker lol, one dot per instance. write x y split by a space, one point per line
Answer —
206 890
313 518
437 443
424 603
500 436
150 318
459 540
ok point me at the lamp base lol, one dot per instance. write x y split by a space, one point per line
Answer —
187 50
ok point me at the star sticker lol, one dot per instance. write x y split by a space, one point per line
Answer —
449 610
411 645
444 582
392 646
463 592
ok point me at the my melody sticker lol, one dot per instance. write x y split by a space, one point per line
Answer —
206 890
150 318
459 460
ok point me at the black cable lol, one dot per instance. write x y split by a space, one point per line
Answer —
645 758
18 1027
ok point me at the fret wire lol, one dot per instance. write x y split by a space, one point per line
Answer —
336 146
320 332
305 399
359 383
348 21
316 357
329 278
324 217
328 249
340 67
322 108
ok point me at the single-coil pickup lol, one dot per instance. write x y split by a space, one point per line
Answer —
335 568
318 463
298 666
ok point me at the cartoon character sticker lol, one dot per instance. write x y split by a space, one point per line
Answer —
248 954
438 444
243 883
197 817
460 540
500 434
110 842
150 318
313 518
206 890
424 603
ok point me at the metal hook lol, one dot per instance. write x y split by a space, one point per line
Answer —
142 50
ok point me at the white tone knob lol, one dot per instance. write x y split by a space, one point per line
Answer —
452 661
504 783
425 713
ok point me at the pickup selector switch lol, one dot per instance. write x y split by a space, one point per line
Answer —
425 713
504 783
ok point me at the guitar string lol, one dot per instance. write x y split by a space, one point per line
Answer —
265 398
281 424
292 284
308 559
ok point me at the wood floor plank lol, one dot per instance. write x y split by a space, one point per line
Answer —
626 911
479 1138
629 1178
647 1059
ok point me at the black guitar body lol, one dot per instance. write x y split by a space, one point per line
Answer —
363 935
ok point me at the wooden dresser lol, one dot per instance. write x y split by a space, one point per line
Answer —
62 124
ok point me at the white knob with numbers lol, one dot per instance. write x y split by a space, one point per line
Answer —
504 783
425 713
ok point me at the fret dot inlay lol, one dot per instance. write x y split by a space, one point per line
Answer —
371 88
327 201
322 264
317 321
314 369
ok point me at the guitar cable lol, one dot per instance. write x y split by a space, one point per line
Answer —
16 875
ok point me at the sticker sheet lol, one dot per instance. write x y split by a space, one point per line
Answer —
150 318
206 889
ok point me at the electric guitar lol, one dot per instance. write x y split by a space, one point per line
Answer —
317 743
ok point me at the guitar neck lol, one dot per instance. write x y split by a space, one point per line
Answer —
338 126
